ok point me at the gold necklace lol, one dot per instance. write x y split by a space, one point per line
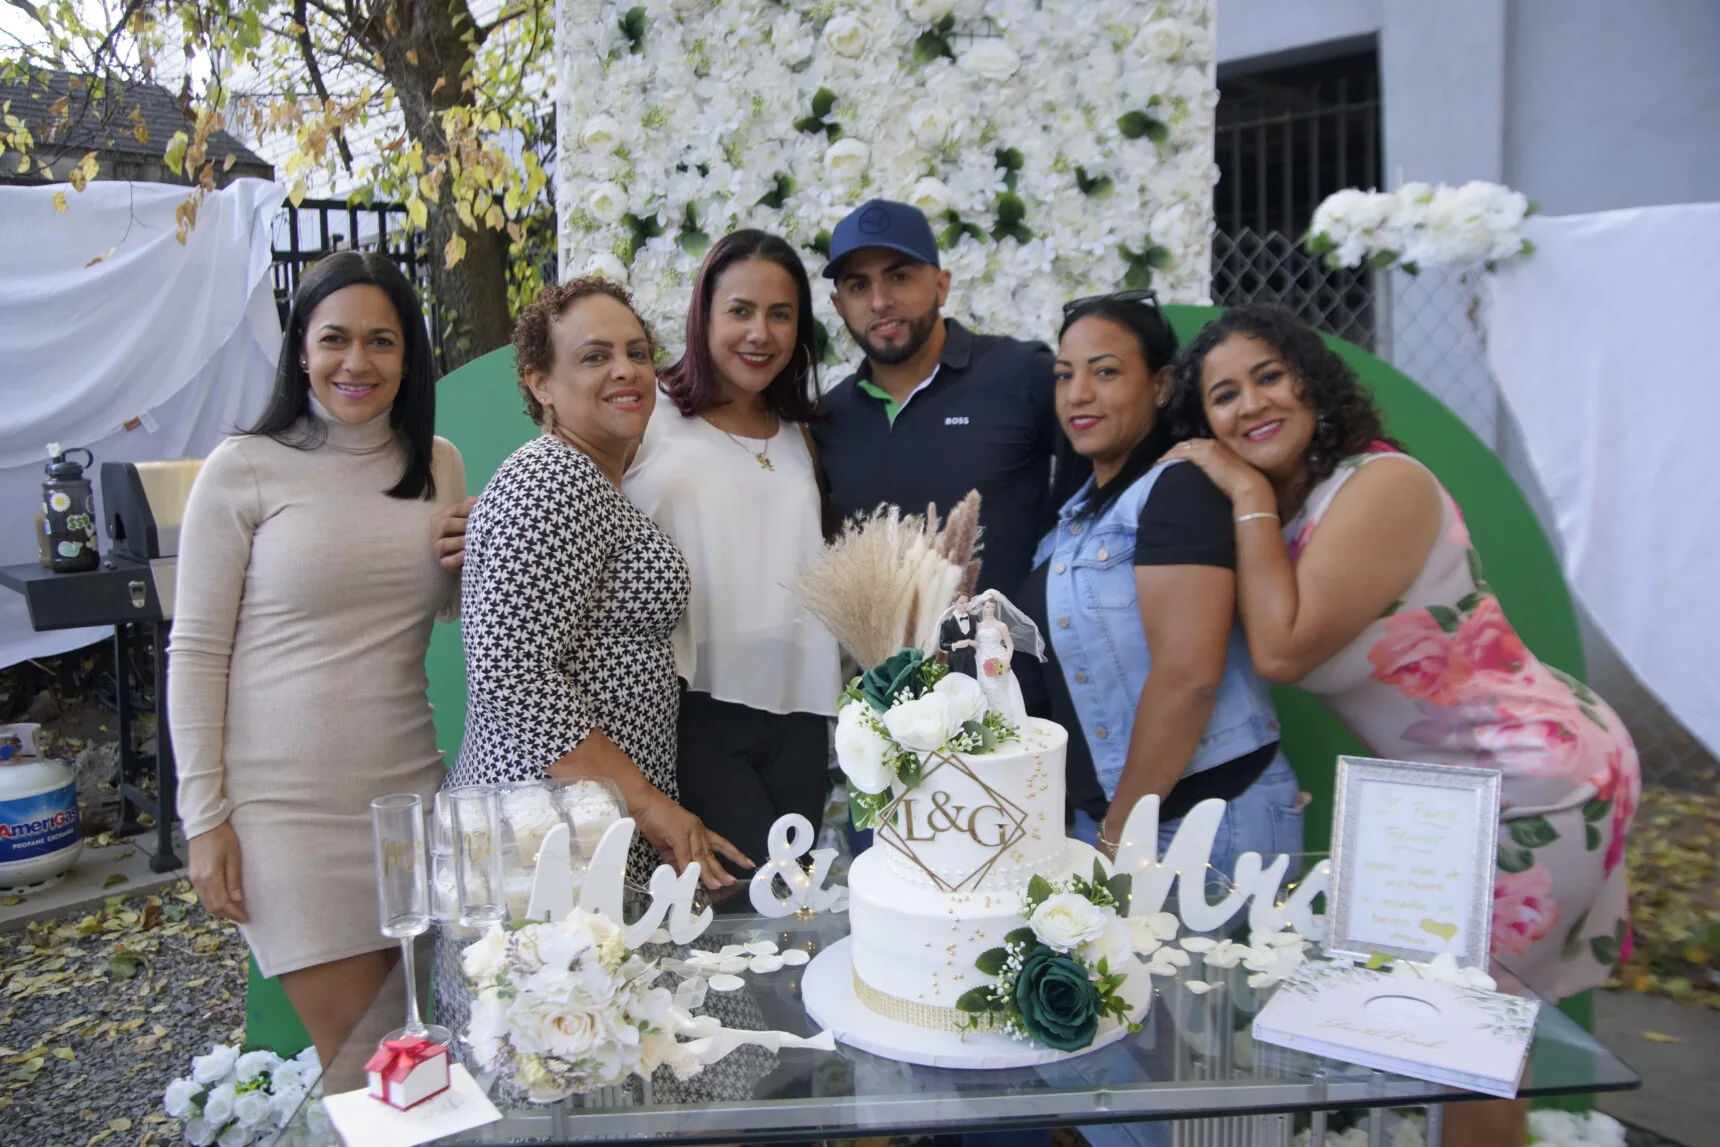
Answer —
762 457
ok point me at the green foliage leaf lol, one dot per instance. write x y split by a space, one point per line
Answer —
1038 890
977 1001
1156 257
949 22
1133 125
1020 936
864 808
987 738
1158 130
695 243
1516 860
778 195
1095 185
992 960
1099 876
1121 887
633 27
822 101
929 46
910 769
832 132
1010 208
1470 601
1447 617
821 243
1532 831
1139 277
809 124
1605 950
1591 837
1320 243
1597 810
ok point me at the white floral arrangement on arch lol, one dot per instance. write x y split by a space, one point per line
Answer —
1059 147
1421 225
234 1098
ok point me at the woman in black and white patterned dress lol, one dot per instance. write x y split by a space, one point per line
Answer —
571 594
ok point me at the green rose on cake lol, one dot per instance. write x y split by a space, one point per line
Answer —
1059 1004
880 684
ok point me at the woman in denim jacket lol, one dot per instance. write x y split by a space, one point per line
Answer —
1136 588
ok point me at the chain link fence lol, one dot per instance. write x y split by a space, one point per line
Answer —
1430 327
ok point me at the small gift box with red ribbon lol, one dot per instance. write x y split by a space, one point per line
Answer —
406 1072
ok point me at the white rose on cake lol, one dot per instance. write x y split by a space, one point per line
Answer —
923 724
966 698
1114 944
1066 921
860 751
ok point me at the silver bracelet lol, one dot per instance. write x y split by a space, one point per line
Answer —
1251 517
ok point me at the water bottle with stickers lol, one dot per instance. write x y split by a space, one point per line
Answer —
69 512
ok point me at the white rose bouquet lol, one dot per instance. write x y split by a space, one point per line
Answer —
235 1098
566 1007
1421 225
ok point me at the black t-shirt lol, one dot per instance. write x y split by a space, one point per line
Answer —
1186 520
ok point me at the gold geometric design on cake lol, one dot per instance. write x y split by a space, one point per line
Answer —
1015 818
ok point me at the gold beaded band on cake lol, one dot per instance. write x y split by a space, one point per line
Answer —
936 1017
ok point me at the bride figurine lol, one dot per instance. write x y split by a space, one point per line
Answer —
995 637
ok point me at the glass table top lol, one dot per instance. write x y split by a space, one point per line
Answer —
1194 1058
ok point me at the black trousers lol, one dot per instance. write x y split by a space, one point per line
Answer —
740 769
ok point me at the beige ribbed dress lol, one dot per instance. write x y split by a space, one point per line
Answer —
297 691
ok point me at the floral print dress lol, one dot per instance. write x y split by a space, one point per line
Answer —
1442 677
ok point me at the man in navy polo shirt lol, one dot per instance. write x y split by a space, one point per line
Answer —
935 410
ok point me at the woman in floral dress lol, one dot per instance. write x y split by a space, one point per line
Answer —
1372 597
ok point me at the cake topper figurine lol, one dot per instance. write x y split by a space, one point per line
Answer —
956 637
999 630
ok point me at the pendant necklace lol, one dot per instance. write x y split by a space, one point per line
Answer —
762 457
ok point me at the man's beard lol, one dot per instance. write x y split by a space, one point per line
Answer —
919 332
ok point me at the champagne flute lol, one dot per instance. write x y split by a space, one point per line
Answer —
403 896
479 879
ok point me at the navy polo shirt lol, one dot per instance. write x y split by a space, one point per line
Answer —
984 422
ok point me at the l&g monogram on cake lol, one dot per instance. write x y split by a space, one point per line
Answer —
987 825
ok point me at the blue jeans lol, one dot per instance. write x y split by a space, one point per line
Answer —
1264 819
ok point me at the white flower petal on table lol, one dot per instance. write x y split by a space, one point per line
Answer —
1198 943
1172 956
795 957
1161 968
1200 987
762 948
764 964
734 965
726 983
731 949
1163 925
1263 980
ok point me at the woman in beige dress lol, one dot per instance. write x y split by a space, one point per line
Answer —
306 598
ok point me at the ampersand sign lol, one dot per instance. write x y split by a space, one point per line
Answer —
791 837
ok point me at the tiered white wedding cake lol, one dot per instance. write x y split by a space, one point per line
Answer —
973 913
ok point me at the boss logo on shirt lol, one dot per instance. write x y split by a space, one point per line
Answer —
956 420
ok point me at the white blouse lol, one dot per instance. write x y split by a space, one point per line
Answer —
745 531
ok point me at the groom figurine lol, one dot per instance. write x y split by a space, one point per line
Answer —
957 639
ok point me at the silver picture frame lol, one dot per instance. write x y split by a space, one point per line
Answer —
1350 849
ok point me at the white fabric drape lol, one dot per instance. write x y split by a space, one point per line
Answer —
180 341
1600 344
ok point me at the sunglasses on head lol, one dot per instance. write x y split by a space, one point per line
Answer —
1146 296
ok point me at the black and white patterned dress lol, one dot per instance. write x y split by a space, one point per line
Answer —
569 598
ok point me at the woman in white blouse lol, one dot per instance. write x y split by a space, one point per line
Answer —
726 469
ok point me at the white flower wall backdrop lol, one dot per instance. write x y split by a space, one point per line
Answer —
1060 147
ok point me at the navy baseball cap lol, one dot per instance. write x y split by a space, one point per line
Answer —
882 223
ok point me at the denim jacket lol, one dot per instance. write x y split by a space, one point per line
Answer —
1100 644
